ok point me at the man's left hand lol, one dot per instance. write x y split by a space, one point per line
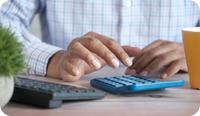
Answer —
159 54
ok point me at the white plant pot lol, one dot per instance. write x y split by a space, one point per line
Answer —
6 89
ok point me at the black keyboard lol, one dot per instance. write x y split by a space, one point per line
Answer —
50 95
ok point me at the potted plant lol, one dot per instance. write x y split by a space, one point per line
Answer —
11 63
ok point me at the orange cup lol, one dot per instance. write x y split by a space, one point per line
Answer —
191 41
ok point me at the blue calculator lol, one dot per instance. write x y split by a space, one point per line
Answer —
132 83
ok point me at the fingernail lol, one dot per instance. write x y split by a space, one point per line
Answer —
144 73
128 62
130 71
115 62
163 76
75 71
96 64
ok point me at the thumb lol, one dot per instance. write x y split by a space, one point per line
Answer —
132 51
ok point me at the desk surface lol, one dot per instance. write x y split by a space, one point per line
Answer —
169 102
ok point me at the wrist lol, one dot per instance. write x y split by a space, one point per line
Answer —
53 65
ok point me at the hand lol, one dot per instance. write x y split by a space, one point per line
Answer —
86 54
157 55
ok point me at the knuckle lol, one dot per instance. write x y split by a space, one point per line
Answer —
71 44
88 57
90 40
174 45
74 40
112 44
90 33
159 40
73 68
75 45
168 43
162 58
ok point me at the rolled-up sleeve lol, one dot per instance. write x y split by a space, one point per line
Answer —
17 15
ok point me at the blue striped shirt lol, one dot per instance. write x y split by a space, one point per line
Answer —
130 22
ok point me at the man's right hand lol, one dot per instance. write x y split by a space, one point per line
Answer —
87 54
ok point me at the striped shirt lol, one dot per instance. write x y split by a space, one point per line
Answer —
130 22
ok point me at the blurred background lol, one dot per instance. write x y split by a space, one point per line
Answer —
35 27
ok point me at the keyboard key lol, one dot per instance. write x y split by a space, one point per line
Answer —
50 95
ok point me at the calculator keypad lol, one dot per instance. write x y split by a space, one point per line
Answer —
119 81
132 83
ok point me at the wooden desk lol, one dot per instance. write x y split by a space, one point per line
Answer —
169 102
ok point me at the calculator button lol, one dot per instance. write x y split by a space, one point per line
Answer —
135 79
127 80
110 82
119 81
147 80
142 80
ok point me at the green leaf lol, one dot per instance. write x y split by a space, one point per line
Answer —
12 59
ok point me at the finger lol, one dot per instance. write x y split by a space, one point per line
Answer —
149 47
73 64
145 49
132 51
101 60
134 60
68 77
161 61
115 48
152 45
149 56
88 69
66 64
172 69
79 50
130 71
71 69
95 46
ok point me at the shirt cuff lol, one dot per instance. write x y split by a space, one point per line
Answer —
38 57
